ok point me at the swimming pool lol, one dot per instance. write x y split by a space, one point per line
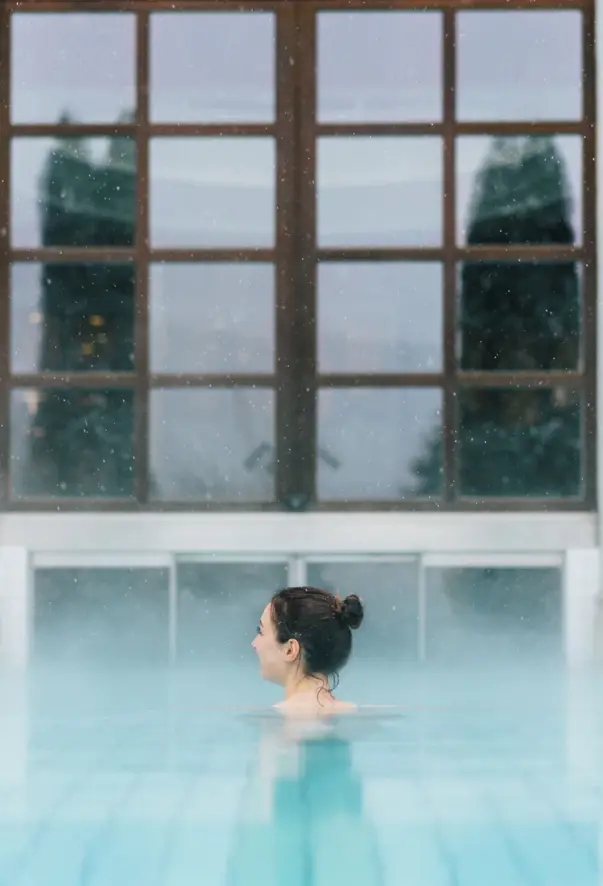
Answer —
133 778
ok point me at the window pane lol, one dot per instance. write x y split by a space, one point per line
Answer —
379 443
543 83
219 609
389 632
72 317
380 317
73 192
492 616
520 442
212 192
101 616
519 189
212 317
212 67
213 445
380 191
519 315
71 442
72 67
379 67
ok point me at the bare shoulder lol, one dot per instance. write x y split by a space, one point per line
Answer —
314 708
344 707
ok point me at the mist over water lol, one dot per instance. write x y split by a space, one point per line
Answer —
121 768
126 774
139 747
489 643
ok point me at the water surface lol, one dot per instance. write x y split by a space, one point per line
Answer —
154 778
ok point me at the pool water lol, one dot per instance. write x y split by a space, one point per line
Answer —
126 778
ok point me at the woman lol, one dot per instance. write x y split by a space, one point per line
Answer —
304 639
303 796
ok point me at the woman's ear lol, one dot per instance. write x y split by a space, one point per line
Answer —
293 650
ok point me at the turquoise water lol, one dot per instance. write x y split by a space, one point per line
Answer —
160 779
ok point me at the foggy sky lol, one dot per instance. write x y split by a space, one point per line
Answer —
390 58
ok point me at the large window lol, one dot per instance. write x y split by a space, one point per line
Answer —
301 255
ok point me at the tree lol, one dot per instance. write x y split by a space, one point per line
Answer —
81 440
516 315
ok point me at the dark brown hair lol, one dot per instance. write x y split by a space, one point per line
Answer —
321 623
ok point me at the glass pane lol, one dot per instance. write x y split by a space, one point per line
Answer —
72 67
213 192
213 445
219 608
543 83
492 616
520 442
379 67
380 317
73 192
390 630
101 616
379 443
212 317
384 191
212 67
72 317
519 189
519 315
72 442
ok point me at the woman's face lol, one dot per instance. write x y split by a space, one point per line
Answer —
276 659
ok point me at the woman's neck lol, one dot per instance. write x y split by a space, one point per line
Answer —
303 685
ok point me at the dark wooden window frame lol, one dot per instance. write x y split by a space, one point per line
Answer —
296 256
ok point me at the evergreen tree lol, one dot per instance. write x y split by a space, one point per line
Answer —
516 316
81 440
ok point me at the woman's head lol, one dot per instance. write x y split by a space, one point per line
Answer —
306 631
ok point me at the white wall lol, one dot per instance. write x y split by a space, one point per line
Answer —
309 533
14 606
580 589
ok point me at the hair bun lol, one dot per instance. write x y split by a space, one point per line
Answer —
352 612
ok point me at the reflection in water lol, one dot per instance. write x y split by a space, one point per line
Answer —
302 819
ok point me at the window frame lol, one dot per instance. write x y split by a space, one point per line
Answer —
296 255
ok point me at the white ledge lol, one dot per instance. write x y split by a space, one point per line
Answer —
308 534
